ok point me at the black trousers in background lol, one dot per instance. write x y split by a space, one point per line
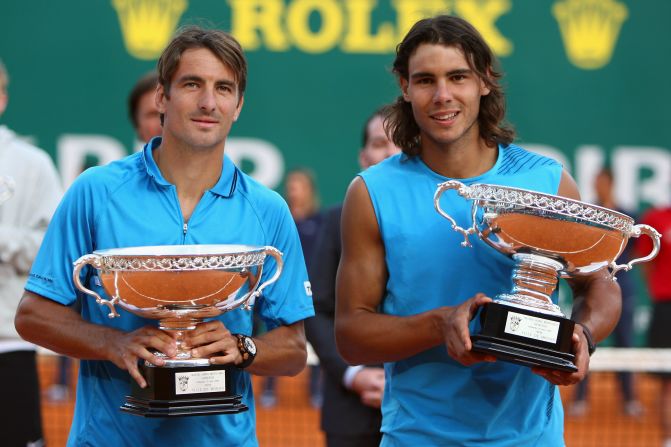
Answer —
353 440
21 420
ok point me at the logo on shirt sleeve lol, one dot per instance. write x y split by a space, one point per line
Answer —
308 288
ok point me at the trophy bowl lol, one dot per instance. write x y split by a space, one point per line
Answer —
548 237
6 189
180 286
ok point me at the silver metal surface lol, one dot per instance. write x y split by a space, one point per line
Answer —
546 235
180 285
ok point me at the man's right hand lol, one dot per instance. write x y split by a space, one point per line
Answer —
369 384
125 349
456 334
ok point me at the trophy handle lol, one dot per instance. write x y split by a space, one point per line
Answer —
94 261
462 190
275 253
636 232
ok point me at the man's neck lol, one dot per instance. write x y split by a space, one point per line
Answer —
461 159
192 170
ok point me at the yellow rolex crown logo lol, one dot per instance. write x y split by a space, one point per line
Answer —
147 25
589 29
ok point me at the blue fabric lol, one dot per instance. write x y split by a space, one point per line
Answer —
429 398
129 203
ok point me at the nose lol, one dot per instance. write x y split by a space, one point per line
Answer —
443 92
207 101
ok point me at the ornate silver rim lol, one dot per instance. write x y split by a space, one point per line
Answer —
181 263
562 206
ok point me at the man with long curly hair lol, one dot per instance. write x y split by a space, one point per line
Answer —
406 291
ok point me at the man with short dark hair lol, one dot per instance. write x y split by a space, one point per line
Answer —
181 189
407 290
142 110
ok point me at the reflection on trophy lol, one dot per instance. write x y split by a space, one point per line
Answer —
547 236
6 189
181 285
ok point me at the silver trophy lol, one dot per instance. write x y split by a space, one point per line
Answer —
181 285
6 189
548 237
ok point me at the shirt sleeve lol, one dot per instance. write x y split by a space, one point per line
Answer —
69 236
289 299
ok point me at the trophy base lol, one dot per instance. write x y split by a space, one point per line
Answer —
184 391
526 337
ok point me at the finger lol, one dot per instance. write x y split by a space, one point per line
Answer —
207 326
226 359
135 374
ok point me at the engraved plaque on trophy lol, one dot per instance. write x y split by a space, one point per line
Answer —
181 285
548 237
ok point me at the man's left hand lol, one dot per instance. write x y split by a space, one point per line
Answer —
212 339
581 361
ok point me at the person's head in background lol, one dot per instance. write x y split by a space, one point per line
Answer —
376 145
603 187
142 109
301 193
4 82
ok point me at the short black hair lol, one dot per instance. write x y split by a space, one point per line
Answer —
144 85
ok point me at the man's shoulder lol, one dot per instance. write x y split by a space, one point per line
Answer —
257 193
112 175
515 159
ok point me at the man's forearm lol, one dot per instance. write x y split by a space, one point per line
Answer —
597 305
280 352
60 329
366 338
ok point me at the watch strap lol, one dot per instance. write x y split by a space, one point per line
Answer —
247 356
591 346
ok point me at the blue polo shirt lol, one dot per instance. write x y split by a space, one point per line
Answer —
129 203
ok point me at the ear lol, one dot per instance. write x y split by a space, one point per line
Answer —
238 109
160 98
404 88
3 101
484 90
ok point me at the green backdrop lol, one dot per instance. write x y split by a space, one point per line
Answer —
587 80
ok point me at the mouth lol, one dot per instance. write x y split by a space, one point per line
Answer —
205 122
444 117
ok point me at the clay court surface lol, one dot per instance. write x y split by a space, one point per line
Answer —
294 423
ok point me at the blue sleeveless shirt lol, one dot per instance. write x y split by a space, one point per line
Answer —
430 399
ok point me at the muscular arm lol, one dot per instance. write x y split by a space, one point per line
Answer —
364 335
279 352
597 304
61 329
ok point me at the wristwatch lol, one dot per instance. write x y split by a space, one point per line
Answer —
591 346
247 349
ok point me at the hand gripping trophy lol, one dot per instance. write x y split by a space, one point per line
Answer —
547 236
181 285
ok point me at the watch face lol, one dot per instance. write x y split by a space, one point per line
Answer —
250 346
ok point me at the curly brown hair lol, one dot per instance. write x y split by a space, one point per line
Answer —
400 123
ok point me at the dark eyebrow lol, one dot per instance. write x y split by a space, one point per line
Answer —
187 78
459 71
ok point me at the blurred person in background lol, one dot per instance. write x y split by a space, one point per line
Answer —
23 221
303 200
142 110
658 281
624 331
352 394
